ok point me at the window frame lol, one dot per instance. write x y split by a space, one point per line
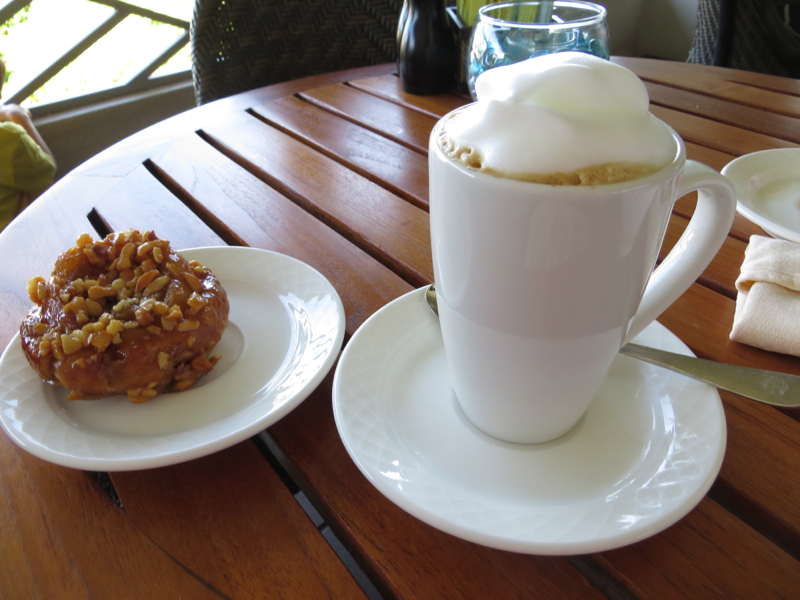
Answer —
142 81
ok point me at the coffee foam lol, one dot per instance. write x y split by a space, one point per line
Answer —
561 119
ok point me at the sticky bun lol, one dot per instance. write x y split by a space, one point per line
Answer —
124 315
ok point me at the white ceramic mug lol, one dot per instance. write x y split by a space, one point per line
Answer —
539 286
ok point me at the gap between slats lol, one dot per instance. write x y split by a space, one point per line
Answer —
756 517
207 217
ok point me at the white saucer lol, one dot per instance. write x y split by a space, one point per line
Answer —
285 331
768 190
642 457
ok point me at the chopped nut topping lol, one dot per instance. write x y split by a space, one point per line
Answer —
127 281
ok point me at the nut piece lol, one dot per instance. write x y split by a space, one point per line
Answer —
126 257
188 325
145 280
157 284
141 395
37 291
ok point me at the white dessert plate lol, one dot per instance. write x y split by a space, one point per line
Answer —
285 331
645 453
768 190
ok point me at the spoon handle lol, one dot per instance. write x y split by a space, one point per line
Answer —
780 389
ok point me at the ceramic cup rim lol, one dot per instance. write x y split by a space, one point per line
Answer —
666 172
598 15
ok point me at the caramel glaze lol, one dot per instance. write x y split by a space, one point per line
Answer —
155 351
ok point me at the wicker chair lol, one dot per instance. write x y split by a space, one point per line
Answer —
746 34
239 45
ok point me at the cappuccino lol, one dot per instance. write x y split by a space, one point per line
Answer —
561 119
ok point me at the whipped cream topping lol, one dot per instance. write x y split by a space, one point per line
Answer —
557 113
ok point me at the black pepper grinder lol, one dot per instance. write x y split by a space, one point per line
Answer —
427 60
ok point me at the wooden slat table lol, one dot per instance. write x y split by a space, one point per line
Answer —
332 170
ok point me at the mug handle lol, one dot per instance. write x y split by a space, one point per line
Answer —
704 236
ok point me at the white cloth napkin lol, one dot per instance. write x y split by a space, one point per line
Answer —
767 311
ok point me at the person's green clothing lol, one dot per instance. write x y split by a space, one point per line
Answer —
25 171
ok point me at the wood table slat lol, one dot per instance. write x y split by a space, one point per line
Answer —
745 95
396 122
386 226
401 170
718 136
763 120
389 87
708 156
705 77
229 517
708 554
62 537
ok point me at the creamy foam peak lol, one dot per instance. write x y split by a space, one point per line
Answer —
560 119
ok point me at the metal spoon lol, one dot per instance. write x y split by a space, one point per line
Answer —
779 389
